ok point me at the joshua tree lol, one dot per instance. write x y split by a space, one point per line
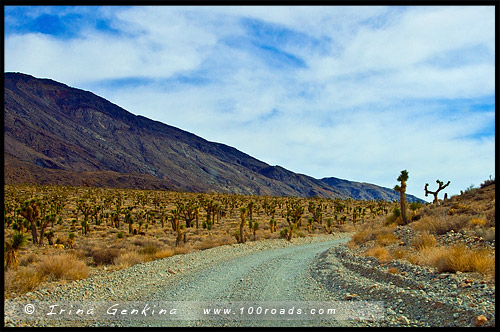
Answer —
255 227
130 221
12 247
272 223
86 208
50 236
435 193
43 225
71 239
329 224
176 226
316 210
403 177
414 206
293 217
188 211
243 214
180 235
310 222
30 211
250 209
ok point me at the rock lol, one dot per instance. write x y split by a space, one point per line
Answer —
404 320
437 304
480 320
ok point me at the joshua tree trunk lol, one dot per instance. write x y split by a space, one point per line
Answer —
403 177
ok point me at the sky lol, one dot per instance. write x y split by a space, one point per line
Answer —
354 92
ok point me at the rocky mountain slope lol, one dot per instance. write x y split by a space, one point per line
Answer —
56 134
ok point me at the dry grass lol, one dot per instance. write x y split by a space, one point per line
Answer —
382 235
29 259
458 258
385 239
393 270
380 253
399 253
127 260
50 268
440 224
182 250
163 253
24 279
423 241
105 256
486 233
478 222
63 266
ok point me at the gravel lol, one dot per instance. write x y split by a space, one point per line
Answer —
413 295
307 270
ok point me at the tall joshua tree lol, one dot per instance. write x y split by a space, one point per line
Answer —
435 193
403 177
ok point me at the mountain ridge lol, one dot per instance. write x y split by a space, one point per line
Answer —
60 134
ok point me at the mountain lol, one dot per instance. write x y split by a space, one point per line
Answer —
56 134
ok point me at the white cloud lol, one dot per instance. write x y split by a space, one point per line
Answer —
380 90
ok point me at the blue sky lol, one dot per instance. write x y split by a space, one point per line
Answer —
358 93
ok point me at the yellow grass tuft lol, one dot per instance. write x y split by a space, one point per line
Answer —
398 253
423 240
458 258
477 222
22 280
383 236
380 253
385 239
127 260
62 266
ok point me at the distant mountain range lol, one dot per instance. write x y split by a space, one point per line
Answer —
55 134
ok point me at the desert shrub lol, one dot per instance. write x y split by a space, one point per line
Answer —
127 259
24 279
208 243
423 240
487 182
385 239
105 256
385 235
29 259
164 253
182 250
62 266
363 236
150 249
119 235
477 222
393 219
380 253
458 258
488 234
398 253
440 224
300 234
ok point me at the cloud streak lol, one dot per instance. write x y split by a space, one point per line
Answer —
359 93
